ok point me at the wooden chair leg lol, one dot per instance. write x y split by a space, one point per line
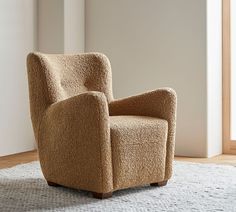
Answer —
159 184
102 195
52 184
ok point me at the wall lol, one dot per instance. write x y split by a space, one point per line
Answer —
51 26
214 77
153 44
18 19
61 26
74 38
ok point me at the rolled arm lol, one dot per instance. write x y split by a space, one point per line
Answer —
75 136
160 103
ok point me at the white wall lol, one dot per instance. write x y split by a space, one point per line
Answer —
17 38
74 36
61 26
51 26
214 77
150 44
153 44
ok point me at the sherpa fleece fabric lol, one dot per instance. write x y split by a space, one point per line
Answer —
88 140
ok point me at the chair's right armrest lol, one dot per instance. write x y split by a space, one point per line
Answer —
74 137
86 108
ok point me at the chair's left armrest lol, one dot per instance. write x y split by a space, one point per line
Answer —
160 103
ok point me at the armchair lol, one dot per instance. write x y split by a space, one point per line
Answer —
86 139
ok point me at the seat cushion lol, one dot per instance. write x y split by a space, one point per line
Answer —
138 150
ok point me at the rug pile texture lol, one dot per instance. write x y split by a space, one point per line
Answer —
194 187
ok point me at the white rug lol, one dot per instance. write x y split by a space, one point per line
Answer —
194 187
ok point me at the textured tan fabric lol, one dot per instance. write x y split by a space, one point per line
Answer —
80 144
138 146
53 78
161 103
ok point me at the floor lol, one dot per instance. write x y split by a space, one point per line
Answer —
26 157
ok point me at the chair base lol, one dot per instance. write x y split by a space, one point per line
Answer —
108 195
102 195
53 184
159 184
95 195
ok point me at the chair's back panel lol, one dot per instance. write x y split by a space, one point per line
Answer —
53 78
70 75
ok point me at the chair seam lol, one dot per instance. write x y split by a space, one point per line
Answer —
44 112
99 114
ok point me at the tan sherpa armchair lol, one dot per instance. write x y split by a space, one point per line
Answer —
86 139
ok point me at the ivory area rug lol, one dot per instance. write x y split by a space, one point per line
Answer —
194 187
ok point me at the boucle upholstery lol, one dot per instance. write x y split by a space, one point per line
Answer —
86 139
161 103
138 146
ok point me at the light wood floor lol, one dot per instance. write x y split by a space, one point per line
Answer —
13 160
26 157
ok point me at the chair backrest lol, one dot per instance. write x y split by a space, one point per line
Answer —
56 77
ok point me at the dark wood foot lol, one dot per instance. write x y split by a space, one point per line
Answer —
102 195
159 184
52 184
